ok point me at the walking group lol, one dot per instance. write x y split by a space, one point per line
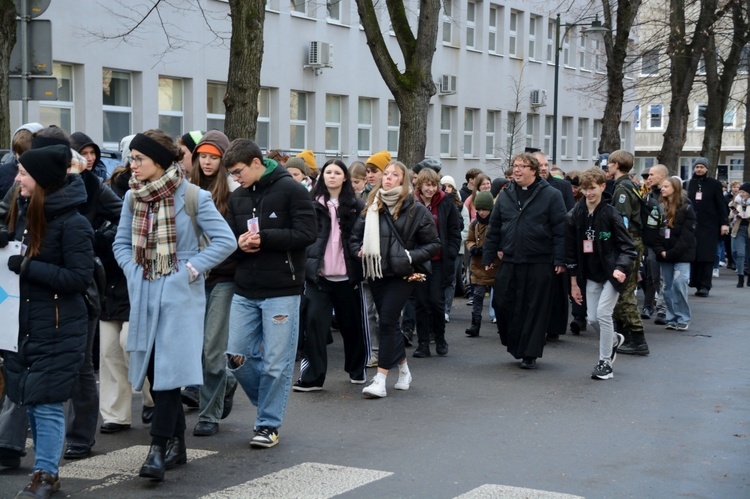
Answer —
201 265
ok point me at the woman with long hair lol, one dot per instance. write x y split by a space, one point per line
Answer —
395 234
675 249
55 266
157 247
482 183
333 279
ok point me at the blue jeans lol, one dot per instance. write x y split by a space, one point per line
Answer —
676 277
265 333
48 431
740 250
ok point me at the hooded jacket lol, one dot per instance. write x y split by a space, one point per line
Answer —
680 245
78 141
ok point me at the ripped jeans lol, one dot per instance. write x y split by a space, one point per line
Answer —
261 350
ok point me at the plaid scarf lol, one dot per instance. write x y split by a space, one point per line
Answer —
153 230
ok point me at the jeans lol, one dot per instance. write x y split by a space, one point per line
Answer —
601 298
217 379
265 333
741 250
48 431
676 276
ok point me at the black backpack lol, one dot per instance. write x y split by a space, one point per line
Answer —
652 218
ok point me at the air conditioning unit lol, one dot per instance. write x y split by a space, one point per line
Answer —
538 97
320 55
448 84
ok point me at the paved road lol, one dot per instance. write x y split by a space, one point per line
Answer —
474 425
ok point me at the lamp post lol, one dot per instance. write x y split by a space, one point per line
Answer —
594 26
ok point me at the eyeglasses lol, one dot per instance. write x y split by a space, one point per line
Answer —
138 160
521 166
238 172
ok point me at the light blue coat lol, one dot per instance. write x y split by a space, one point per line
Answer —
168 313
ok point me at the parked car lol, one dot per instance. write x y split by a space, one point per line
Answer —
111 159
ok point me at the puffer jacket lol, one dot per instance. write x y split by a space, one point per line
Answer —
417 230
53 316
681 244
475 247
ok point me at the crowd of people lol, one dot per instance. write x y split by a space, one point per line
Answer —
269 253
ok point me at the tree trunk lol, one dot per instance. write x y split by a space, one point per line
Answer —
617 51
245 60
746 166
7 41
412 88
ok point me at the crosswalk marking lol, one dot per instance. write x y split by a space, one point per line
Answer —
330 480
506 492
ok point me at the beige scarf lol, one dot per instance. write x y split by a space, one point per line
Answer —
371 258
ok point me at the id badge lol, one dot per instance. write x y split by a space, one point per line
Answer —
666 233
588 246
23 249
150 221
253 227
698 196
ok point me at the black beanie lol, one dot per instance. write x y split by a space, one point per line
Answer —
191 139
48 166
745 187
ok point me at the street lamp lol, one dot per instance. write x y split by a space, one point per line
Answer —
594 26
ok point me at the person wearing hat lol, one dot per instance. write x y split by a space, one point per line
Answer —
215 395
158 249
712 212
309 158
375 166
91 151
54 270
20 144
187 143
299 171
740 216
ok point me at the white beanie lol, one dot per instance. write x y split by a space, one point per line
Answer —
32 127
448 180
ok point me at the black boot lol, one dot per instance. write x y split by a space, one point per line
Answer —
441 346
476 323
176 453
636 346
154 466
741 281
423 350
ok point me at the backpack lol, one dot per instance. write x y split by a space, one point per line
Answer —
652 218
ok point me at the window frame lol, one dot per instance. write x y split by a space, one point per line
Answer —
471 25
297 123
651 115
492 48
365 127
446 134
470 118
58 106
514 33
265 121
115 109
332 125
490 133
393 129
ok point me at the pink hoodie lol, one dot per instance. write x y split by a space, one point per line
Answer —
334 264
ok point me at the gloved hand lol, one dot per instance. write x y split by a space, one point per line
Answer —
14 263
3 239
478 251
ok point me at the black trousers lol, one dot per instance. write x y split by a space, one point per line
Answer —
430 305
390 295
701 274
83 409
558 321
348 301
169 417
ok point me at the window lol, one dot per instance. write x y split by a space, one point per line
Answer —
655 115
566 49
600 58
469 116
490 138
471 24
582 56
583 125
551 29
596 136
170 106
511 132
262 131
445 131
729 117
394 123
448 22
117 105
60 111
494 20
299 6
364 126
650 63
333 124
215 110
531 120
549 123
513 33
567 125
744 58
533 28
700 118
333 10
637 117
298 120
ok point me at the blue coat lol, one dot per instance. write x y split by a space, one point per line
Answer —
168 313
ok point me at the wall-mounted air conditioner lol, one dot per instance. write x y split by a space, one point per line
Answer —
320 55
447 84
538 98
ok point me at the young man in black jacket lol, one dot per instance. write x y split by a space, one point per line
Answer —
599 254
273 218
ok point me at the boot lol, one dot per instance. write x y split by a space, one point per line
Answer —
441 346
636 346
154 465
176 453
423 350
476 323
741 282
42 485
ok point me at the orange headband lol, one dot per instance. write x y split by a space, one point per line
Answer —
208 148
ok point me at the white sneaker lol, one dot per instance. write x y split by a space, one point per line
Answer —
716 272
447 318
373 361
404 380
376 389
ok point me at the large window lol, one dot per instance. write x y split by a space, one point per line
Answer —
567 125
493 43
394 123
655 116
448 22
298 120
700 116
551 33
364 126
511 133
60 112
513 29
445 131
333 124
548 124
333 10
170 106
596 136
299 6
215 110
490 136
471 25
469 126
531 125
583 125
263 132
650 63
534 22
582 51
117 106
566 49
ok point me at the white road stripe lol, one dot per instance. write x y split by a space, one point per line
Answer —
506 492
295 482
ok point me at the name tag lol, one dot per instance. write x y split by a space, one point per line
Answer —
253 226
698 196
666 233
588 246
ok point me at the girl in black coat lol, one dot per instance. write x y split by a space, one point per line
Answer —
55 268
389 265
333 279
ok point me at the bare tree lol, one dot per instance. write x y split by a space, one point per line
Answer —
413 88
7 41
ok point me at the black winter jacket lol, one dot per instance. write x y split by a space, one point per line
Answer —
680 247
449 226
348 216
53 316
287 226
612 242
115 300
417 230
530 233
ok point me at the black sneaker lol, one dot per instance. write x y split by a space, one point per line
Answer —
619 340
603 370
647 312
265 437
661 319
191 397
300 386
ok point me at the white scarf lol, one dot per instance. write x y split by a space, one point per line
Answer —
371 258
